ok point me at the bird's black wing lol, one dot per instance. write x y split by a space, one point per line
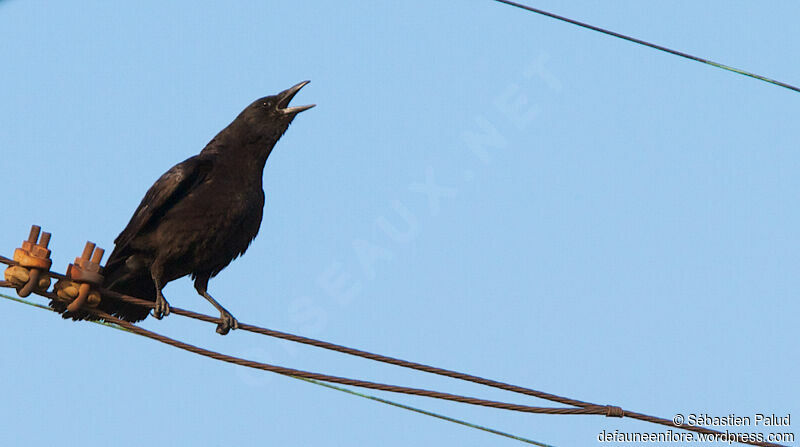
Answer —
135 279
168 190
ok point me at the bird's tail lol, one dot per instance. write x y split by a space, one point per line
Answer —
141 287
119 278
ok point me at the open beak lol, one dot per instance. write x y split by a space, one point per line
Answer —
287 95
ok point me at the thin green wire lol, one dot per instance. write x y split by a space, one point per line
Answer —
40 306
648 44
428 413
337 388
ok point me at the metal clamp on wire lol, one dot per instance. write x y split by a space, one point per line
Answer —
33 258
81 276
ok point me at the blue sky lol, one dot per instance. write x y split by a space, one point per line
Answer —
611 223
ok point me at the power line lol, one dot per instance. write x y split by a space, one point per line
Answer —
648 44
328 385
584 407
597 409
130 327
342 380
605 409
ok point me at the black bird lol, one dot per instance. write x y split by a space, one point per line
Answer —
200 215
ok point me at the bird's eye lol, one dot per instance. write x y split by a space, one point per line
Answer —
266 104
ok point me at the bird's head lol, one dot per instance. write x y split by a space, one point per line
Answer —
270 116
256 130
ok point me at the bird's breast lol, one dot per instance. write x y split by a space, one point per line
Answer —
208 231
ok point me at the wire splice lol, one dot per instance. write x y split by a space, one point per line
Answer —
614 412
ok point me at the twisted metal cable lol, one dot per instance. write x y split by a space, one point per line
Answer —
324 377
351 351
323 384
584 407
342 380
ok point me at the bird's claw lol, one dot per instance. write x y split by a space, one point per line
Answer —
161 308
227 323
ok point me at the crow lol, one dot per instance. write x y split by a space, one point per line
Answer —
200 215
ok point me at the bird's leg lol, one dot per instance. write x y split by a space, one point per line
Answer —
228 321
161 308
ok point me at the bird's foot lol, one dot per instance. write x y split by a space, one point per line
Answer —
161 308
227 323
